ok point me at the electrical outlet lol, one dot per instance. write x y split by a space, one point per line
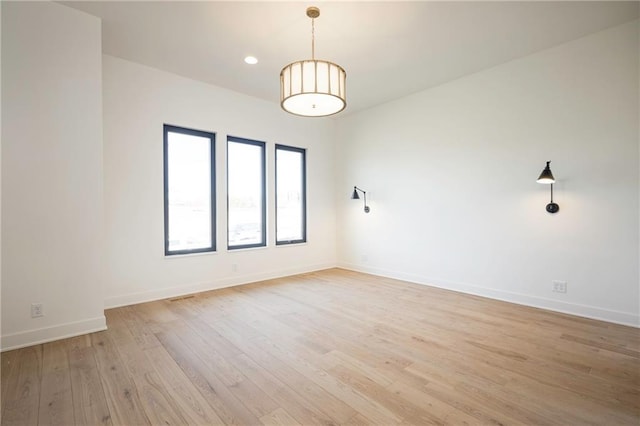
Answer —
36 310
234 267
365 258
559 286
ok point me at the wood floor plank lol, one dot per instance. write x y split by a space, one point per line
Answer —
121 394
78 342
258 402
335 358
56 399
353 397
330 347
142 332
89 402
603 344
193 406
8 376
157 401
257 349
199 345
350 339
148 390
461 410
21 404
302 410
568 404
278 417
226 405
429 411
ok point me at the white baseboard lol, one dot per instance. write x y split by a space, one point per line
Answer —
49 334
617 317
165 293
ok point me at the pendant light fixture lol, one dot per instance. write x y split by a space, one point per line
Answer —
313 87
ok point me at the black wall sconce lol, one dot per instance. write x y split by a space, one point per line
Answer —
356 196
547 177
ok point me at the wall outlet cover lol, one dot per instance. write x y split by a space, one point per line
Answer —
559 286
36 310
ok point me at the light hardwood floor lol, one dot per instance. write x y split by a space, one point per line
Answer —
330 348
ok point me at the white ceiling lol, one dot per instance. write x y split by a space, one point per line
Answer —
389 49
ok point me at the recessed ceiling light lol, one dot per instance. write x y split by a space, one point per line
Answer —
251 60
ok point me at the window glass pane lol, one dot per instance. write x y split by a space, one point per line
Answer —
290 195
245 180
188 203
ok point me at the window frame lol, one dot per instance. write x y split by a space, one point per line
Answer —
263 158
303 152
168 128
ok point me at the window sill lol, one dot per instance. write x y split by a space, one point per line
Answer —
203 253
235 250
304 243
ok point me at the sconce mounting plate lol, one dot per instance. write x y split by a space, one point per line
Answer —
553 208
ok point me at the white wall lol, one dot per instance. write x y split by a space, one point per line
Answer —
137 101
0 183
451 173
52 218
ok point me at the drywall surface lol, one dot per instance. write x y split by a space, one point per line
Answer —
138 100
451 174
0 183
52 214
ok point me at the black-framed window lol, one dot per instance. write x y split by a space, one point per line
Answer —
189 191
291 195
246 193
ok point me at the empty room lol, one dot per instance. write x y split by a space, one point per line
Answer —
320 213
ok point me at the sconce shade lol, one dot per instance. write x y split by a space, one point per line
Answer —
355 195
546 176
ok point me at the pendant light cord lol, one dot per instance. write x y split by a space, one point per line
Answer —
313 39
